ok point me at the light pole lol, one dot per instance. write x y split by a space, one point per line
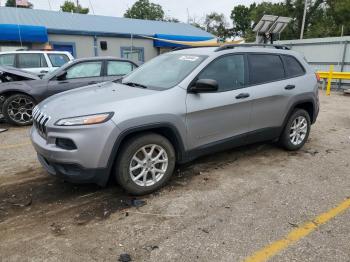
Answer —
303 23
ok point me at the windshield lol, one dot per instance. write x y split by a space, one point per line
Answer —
54 72
164 71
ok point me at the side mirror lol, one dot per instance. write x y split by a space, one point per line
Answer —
204 86
61 75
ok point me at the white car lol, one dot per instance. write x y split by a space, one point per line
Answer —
37 62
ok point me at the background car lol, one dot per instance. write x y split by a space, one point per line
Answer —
19 98
37 62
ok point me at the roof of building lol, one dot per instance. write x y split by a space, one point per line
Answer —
69 23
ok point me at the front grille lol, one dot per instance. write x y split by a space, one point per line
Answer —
40 120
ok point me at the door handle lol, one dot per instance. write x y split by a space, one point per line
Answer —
43 71
242 96
63 82
92 82
289 87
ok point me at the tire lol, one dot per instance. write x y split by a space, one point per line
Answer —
17 110
132 163
301 133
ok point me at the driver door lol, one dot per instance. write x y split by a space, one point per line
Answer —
78 75
225 114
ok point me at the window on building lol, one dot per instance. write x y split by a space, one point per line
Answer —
228 71
85 69
115 68
58 60
32 60
7 60
292 66
265 68
135 54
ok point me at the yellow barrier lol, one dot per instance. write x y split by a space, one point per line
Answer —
332 75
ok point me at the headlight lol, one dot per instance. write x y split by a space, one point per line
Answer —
84 120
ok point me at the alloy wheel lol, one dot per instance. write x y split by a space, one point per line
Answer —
148 165
298 130
20 109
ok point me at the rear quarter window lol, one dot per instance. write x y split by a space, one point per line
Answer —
265 68
292 66
7 60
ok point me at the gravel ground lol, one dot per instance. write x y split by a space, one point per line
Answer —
222 207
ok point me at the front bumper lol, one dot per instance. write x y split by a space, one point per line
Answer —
88 162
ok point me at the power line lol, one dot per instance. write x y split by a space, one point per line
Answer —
92 8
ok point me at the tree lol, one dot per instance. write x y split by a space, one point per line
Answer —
216 24
70 7
171 19
240 16
12 3
144 9
339 10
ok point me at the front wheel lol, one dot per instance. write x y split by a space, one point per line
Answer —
145 163
296 131
17 109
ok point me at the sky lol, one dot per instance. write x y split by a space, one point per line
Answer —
179 9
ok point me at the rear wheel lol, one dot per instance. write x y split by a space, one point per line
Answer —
296 131
17 109
145 163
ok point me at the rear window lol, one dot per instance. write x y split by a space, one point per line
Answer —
265 68
31 60
292 66
7 60
58 60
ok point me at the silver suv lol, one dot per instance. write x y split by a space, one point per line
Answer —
175 108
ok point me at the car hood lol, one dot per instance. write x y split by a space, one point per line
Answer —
99 98
19 72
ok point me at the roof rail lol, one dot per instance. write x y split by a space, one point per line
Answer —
232 46
189 47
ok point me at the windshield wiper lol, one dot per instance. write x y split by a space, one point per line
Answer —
134 84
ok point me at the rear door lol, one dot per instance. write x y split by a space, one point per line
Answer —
32 62
80 74
116 69
272 91
225 114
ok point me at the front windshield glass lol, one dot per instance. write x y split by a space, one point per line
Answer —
54 72
164 71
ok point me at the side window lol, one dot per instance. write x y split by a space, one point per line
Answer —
115 68
292 66
85 69
58 60
228 71
31 60
265 68
7 60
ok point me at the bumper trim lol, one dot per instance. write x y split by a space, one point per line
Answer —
74 173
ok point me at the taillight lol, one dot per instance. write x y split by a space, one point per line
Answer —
318 77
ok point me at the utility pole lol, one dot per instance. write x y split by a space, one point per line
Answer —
303 23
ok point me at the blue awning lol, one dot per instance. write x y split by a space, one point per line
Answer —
159 43
24 33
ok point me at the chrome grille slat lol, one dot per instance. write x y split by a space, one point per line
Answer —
40 120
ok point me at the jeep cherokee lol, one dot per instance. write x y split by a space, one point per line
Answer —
173 109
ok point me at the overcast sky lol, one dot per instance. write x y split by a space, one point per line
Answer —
172 8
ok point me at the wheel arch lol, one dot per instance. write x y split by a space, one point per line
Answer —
167 130
307 104
9 93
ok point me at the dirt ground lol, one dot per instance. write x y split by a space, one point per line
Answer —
222 207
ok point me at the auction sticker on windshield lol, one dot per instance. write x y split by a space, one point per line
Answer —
188 58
